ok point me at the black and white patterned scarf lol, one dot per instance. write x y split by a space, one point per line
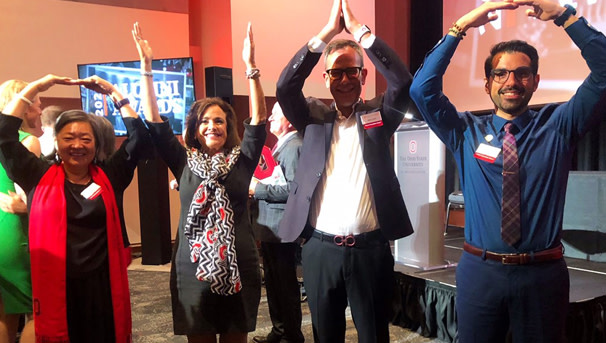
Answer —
210 222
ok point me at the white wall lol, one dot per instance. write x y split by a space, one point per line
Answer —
50 36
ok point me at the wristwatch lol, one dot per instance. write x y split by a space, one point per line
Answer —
559 21
360 33
119 104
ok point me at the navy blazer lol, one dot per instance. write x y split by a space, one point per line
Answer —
316 120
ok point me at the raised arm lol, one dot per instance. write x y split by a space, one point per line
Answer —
352 25
289 89
426 89
335 23
167 145
546 10
150 103
480 15
257 98
19 103
101 86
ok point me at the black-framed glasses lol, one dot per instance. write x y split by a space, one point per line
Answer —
337 74
521 74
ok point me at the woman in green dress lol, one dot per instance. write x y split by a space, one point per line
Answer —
15 278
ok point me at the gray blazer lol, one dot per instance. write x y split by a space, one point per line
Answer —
317 120
272 199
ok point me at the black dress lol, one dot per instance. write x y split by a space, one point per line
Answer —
196 310
88 295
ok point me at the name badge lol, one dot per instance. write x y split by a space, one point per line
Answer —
91 192
371 120
487 152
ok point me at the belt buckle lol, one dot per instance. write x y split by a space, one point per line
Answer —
504 259
348 240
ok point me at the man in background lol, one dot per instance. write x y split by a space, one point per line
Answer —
48 117
279 259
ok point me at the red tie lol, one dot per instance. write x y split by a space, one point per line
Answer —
510 210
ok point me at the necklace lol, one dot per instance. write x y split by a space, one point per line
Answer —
81 181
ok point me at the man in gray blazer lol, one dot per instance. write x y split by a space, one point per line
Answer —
346 199
279 259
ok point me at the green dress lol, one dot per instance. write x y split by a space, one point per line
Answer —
15 277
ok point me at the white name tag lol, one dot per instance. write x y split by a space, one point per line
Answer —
371 120
487 152
91 191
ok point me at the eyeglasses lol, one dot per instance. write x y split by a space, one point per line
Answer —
521 74
337 74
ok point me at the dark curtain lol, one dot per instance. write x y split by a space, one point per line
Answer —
428 308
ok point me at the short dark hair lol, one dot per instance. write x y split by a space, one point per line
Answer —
72 116
194 119
340 44
107 137
509 47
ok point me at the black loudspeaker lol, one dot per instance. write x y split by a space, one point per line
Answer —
154 211
219 83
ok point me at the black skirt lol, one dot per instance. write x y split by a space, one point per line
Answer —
90 315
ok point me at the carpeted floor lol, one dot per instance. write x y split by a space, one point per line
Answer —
152 319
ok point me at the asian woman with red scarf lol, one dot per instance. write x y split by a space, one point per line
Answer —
78 244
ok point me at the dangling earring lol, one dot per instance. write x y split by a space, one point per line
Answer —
57 158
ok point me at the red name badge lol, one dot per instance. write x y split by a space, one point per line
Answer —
487 153
371 120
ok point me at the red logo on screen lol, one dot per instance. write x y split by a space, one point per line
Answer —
412 146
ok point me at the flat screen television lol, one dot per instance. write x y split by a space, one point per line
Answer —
173 84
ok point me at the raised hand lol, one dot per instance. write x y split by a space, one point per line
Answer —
145 51
484 14
148 96
335 23
351 23
248 50
17 106
542 9
97 84
46 82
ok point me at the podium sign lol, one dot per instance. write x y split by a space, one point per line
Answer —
419 158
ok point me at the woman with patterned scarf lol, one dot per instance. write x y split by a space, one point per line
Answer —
215 276
78 244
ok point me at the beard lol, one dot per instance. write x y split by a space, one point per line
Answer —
512 107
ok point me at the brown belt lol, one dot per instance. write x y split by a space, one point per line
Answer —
525 258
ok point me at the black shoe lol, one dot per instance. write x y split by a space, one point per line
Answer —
261 339
270 338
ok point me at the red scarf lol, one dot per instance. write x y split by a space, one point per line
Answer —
47 241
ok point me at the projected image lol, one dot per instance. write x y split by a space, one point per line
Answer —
173 84
561 66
